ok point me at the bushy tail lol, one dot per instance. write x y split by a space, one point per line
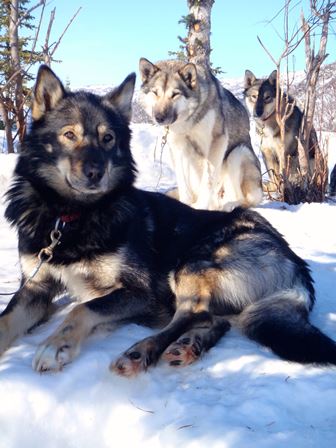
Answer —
282 325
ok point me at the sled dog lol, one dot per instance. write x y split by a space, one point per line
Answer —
332 185
127 255
207 132
260 99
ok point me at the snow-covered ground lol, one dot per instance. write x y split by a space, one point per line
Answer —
239 395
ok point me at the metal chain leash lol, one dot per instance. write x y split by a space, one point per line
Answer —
44 256
163 144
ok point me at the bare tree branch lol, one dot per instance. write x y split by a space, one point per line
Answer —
46 52
65 30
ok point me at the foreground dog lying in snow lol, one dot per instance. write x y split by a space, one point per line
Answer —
128 255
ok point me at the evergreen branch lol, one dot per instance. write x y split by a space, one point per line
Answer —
29 11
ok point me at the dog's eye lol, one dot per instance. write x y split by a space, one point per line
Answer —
254 97
70 135
108 138
155 92
175 94
267 98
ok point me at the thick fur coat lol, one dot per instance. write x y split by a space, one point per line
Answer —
126 255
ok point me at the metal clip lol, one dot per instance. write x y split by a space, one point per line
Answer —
47 253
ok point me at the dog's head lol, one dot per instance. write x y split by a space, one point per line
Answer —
79 143
260 95
168 90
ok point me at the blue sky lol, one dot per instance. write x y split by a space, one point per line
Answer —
108 37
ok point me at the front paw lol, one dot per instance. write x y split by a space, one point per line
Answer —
136 359
54 354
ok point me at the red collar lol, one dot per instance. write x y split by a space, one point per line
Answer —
69 218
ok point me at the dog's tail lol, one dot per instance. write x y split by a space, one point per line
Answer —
281 323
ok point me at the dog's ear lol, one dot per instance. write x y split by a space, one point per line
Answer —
121 97
273 78
48 92
249 79
189 75
147 69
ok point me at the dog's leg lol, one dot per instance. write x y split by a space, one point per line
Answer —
148 351
207 185
182 174
271 161
193 292
113 309
191 345
211 170
242 180
27 308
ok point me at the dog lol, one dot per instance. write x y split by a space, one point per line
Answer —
260 100
332 185
128 255
207 132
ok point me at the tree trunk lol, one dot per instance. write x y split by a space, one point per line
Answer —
198 47
8 127
16 67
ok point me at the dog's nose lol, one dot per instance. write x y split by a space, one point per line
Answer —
93 171
160 117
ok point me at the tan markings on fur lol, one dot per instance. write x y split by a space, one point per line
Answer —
103 130
194 291
78 325
222 253
19 320
65 343
84 280
79 139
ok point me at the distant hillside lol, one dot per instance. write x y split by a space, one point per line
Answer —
325 112
325 116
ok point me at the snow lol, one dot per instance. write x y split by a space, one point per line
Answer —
238 395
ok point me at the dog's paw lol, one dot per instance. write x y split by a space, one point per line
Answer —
184 351
136 359
53 355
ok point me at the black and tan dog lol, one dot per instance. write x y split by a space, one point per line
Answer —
128 255
260 98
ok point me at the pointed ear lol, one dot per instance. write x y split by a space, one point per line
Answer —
249 79
47 93
189 75
273 78
121 97
147 69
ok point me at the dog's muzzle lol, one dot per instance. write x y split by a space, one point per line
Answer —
94 172
164 118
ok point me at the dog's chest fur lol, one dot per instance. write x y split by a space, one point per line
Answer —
191 144
83 279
